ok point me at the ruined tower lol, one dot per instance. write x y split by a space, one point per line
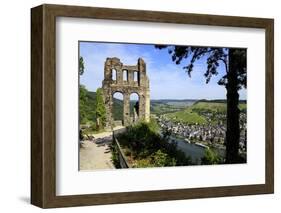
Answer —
126 79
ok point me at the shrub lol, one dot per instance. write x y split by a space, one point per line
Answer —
149 149
114 156
160 159
143 163
210 157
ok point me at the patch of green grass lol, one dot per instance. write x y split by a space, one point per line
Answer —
243 107
161 108
186 116
214 107
193 114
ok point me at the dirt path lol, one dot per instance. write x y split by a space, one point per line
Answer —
96 155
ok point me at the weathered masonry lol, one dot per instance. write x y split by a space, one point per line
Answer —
126 79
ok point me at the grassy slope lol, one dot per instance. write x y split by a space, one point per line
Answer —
221 107
161 108
214 106
186 116
117 109
90 107
190 115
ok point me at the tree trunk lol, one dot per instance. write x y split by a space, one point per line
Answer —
98 123
233 130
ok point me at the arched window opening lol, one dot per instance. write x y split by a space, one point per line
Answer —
117 109
136 76
114 74
134 107
125 75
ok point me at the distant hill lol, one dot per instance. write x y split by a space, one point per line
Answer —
161 106
117 109
219 101
193 114
90 107
172 100
217 105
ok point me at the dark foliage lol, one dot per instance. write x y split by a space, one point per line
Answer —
235 77
88 106
210 157
150 149
114 156
213 58
81 66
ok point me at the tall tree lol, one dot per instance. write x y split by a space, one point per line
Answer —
100 109
83 99
82 94
235 77
81 65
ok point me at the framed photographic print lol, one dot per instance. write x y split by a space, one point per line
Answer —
136 106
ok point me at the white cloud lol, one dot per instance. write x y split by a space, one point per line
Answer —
168 81
173 83
94 62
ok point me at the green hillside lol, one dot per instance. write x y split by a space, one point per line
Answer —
195 113
177 112
159 107
215 106
209 106
117 109
88 107
186 116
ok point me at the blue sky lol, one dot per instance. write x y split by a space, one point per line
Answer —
167 80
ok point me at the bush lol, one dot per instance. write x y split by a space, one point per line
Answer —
160 159
149 149
143 163
210 157
127 152
114 156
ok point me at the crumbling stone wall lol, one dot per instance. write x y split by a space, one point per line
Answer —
112 84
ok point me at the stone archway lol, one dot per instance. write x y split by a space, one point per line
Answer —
117 111
134 107
135 81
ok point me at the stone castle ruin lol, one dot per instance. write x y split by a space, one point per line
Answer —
126 79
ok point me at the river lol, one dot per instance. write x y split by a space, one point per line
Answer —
192 150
